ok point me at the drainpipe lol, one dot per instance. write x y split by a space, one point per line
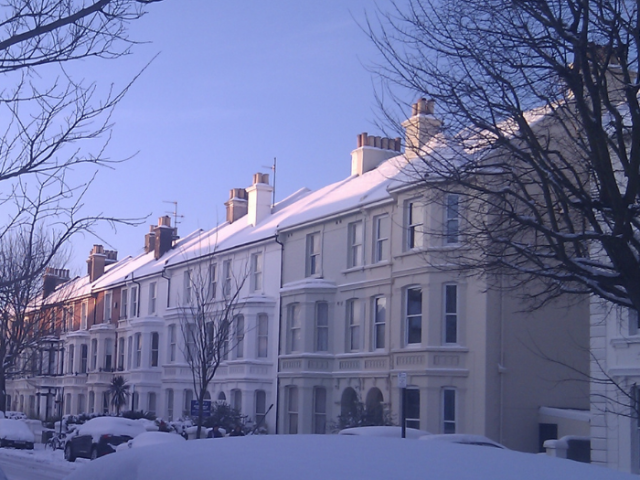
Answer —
279 331
501 368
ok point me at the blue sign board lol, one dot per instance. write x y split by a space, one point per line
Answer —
206 408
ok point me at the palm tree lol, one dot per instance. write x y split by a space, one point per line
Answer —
119 392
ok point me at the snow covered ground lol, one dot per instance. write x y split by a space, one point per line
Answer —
36 464
335 457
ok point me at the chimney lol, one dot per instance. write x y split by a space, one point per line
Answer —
163 237
150 240
236 205
259 199
372 151
51 278
96 262
420 128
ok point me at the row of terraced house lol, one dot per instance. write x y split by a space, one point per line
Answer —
340 290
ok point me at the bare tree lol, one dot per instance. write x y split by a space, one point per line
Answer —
52 124
211 327
541 121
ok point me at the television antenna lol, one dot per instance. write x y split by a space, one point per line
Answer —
174 213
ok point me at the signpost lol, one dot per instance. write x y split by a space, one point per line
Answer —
206 408
402 385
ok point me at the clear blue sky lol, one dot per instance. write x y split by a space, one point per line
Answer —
235 85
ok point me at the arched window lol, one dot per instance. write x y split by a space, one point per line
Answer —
349 408
222 397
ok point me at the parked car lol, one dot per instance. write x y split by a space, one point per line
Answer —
151 438
463 439
16 434
384 431
335 457
100 436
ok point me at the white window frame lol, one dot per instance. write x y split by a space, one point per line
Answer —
238 322
108 354
322 326
379 322
256 272
355 234
107 307
412 317
319 410
188 287
94 354
452 219
134 298
263 335
172 343
153 295
260 406
227 271
137 340
154 360
84 314
213 280
381 232
313 254
449 411
294 328
451 314
354 325
124 303
415 226
121 353
292 410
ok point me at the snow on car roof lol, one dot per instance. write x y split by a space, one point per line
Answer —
111 425
466 438
382 431
15 430
335 457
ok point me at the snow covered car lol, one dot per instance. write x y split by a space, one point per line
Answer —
335 457
100 436
16 434
463 439
151 438
382 431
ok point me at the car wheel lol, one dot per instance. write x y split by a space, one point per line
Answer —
94 453
68 456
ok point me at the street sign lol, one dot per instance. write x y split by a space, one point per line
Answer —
402 380
206 408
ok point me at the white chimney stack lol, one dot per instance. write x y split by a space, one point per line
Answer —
371 152
420 128
259 199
